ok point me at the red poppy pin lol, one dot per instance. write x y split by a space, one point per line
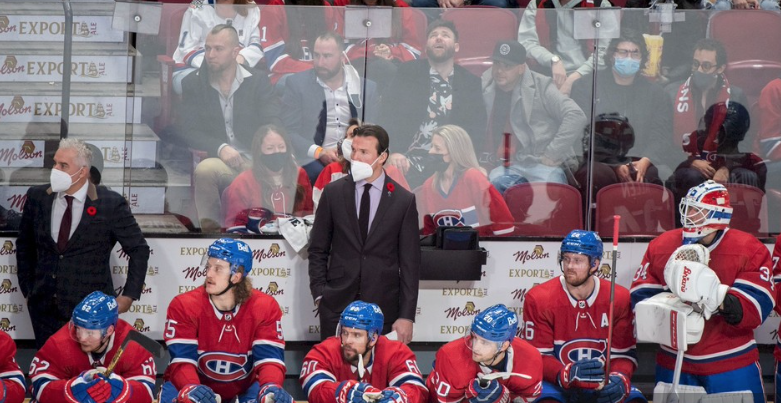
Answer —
92 210
390 188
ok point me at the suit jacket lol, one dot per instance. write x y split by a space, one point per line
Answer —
304 111
83 267
202 124
404 106
384 269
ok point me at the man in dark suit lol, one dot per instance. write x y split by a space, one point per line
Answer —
66 236
319 103
364 243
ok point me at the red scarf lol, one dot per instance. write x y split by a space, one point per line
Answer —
684 119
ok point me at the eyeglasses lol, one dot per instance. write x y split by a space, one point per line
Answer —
706 66
634 54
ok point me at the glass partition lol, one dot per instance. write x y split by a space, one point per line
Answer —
519 122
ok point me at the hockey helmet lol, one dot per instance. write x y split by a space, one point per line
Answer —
584 243
613 136
97 311
704 210
362 315
496 323
731 119
233 251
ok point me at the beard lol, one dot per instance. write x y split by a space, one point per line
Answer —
325 74
446 54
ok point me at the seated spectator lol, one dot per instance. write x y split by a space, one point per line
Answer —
223 106
614 136
275 182
459 194
318 104
428 93
200 18
745 5
623 90
70 367
714 153
768 142
463 3
549 37
705 86
341 167
544 126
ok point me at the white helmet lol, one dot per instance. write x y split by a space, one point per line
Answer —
704 210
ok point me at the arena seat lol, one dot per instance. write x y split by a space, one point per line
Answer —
742 32
645 209
544 209
749 209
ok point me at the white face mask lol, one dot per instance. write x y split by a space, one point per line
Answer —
60 180
361 170
347 149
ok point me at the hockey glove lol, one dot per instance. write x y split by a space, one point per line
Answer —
583 374
733 310
616 389
696 283
494 392
79 390
271 393
353 391
391 394
196 394
120 389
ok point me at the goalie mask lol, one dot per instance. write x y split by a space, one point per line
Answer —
704 210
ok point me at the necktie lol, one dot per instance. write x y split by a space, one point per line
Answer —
65 225
363 217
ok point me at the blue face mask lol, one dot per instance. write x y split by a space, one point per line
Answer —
626 67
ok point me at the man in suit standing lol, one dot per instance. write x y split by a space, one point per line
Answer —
67 232
364 243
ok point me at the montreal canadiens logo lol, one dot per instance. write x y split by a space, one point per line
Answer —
224 367
581 349
450 218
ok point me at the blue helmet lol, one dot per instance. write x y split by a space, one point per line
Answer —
96 311
362 315
233 251
496 323
582 242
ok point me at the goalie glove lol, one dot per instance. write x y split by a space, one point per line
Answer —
494 392
353 391
271 393
696 283
583 374
616 389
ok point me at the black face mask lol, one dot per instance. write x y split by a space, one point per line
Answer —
437 162
274 162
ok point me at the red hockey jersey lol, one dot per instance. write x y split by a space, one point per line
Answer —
566 330
392 364
776 280
740 261
224 351
10 374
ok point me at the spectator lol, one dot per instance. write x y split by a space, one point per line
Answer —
66 237
459 194
548 312
319 103
623 90
200 18
275 182
490 347
549 37
768 142
341 167
224 104
463 3
364 243
771 5
544 125
225 338
714 154
705 86
429 93
360 365
70 366
12 383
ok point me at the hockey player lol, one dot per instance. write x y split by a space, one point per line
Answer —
225 338
490 350
12 385
733 290
70 365
359 365
566 318
776 280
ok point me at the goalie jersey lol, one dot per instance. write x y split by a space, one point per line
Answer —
566 330
741 262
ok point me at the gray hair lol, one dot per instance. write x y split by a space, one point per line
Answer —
83 153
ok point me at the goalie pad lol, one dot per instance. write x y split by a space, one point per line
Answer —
696 283
741 396
663 393
667 320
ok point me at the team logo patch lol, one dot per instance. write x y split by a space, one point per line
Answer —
224 367
581 349
466 217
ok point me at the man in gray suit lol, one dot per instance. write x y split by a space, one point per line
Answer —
545 125
364 243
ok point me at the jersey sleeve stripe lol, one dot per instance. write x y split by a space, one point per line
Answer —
47 378
269 360
181 341
315 379
504 231
407 377
721 355
19 380
142 378
39 391
183 351
183 361
415 53
262 352
9 374
758 296
269 343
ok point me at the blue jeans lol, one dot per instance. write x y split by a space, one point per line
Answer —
503 178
